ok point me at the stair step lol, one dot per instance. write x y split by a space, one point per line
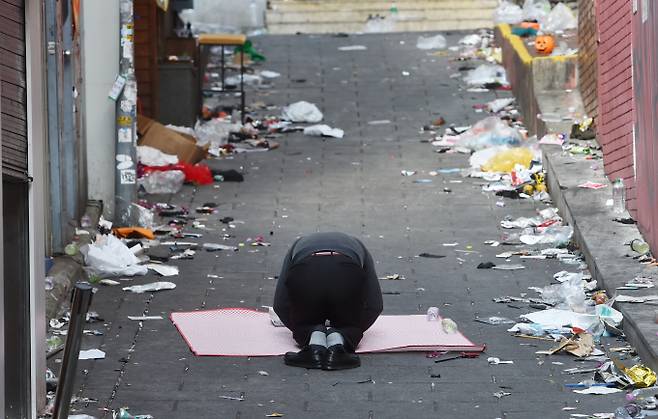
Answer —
355 27
362 16
378 6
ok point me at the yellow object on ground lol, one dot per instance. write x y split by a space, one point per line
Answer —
133 233
642 376
504 161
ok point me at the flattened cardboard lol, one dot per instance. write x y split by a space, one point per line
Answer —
156 135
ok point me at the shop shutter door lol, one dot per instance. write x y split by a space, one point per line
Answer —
13 110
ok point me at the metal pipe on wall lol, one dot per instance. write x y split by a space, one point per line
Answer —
126 134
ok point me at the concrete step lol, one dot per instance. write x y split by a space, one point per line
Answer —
455 12
376 6
426 26
311 16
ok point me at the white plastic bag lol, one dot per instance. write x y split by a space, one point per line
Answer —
323 131
536 9
108 256
302 112
560 19
489 132
169 181
151 156
508 12
215 132
152 287
432 42
486 73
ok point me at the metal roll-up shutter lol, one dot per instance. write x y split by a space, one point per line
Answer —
13 98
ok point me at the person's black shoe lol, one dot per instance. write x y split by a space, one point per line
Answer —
311 357
339 359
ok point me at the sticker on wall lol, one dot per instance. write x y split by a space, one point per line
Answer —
130 91
117 87
126 106
125 120
127 177
128 50
124 161
125 135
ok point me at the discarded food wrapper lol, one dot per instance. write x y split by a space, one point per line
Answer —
324 131
407 172
213 247
592 185
497 361
143 318
164 270
91 354
641 375
494 320
599 390
302 112
154 286
393 277
579 345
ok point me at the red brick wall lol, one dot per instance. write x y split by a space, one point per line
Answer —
615 92
587 54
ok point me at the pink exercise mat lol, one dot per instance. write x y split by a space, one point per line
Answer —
244 332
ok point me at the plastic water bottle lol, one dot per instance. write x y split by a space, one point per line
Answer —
618 196
449 325
432 314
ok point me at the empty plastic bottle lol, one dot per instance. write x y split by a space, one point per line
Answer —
449 325
432 314
618 196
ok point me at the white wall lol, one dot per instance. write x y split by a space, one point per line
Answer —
100 50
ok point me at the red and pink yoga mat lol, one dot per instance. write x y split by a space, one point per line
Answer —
245 332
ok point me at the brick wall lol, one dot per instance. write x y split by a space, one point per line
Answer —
615 92
587 55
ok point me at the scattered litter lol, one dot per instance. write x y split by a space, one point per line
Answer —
486 265
509 267
431 256
108 282
91 354
408 172
599 390
353 48
393 277
109 256
263 373
213 247
494 320
592 185
496 361
155 286
324 131
501 394
238 398
164 270
379 122
432 42
449 325
142 318
302 112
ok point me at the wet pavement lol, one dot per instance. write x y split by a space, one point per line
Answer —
352 185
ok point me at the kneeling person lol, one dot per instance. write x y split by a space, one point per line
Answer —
327 277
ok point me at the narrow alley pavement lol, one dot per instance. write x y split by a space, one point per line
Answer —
352 185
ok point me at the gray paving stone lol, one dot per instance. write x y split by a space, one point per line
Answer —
352 185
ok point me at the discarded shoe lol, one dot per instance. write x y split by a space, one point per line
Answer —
311 357
338 358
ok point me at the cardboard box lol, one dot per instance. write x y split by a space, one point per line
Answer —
156 135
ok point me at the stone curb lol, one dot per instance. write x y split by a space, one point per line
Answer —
603 242
67 270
